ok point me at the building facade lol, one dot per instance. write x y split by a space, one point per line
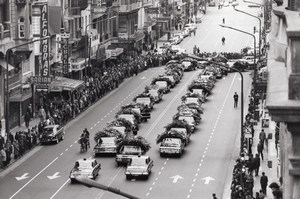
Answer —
283 92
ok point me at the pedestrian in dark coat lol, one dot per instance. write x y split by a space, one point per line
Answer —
27 119
256 164
260 150
264 183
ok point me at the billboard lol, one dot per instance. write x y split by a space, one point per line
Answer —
45 70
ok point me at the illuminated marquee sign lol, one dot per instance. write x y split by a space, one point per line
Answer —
45 42
65 52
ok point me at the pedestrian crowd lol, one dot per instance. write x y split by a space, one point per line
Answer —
246 169
63 110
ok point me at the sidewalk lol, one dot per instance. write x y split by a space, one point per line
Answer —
270 153
270 157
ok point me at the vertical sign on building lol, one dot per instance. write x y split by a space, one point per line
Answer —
44 43
65 52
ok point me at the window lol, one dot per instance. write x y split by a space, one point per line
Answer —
21 27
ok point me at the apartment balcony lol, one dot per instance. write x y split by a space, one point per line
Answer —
129 8
74 12
14 80
137 36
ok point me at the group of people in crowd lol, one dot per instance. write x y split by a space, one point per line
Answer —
246 169
97 85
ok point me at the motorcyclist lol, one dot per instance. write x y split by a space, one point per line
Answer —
86 135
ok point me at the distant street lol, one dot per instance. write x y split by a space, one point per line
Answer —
201 171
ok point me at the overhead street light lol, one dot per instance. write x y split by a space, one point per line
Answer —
90 183
7 129
266 16
242 102
255 68
259 43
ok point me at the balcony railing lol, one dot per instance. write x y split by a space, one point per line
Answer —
14 80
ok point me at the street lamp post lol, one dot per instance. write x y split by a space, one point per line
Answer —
242 101
91 183
6 82
259 43
255 68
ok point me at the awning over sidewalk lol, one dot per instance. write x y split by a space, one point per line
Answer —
3 64
61 83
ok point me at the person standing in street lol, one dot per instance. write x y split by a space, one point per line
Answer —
223 20
264 183
236 99
214 196
223 41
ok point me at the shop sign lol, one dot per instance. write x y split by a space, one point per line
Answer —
42 87
65 55
40 80
45 42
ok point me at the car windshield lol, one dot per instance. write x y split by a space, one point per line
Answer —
171 142
186 63
132 150
191 100
128 117
161 84
143 100
189 120
138 162
47 131
85 165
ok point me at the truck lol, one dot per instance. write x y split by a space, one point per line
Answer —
131 146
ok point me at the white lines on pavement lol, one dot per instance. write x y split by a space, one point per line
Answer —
59 189
71 145
95 125
190 190
156 179
66 149
150 188
75 141
147 194
153 183
91 128
33 178
188 196
159 173
162 168
196 174
165 162
98 122
61 153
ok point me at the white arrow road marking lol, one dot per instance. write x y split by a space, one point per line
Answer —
207 179
55 175
175 178
24 176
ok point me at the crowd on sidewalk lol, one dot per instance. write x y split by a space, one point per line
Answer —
61 111
248 165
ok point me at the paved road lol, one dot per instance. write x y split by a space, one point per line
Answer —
208 155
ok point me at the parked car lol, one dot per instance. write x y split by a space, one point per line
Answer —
52 133
87 168
139 166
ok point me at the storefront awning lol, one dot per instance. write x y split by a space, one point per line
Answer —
59 84
3 64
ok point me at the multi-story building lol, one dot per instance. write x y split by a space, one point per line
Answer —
283 92
6 42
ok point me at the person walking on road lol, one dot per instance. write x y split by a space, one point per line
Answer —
223 20
236 99
214 196
223 41
264 183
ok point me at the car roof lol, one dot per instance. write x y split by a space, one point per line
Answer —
51 126
140 157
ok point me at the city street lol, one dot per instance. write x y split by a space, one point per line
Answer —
203 168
